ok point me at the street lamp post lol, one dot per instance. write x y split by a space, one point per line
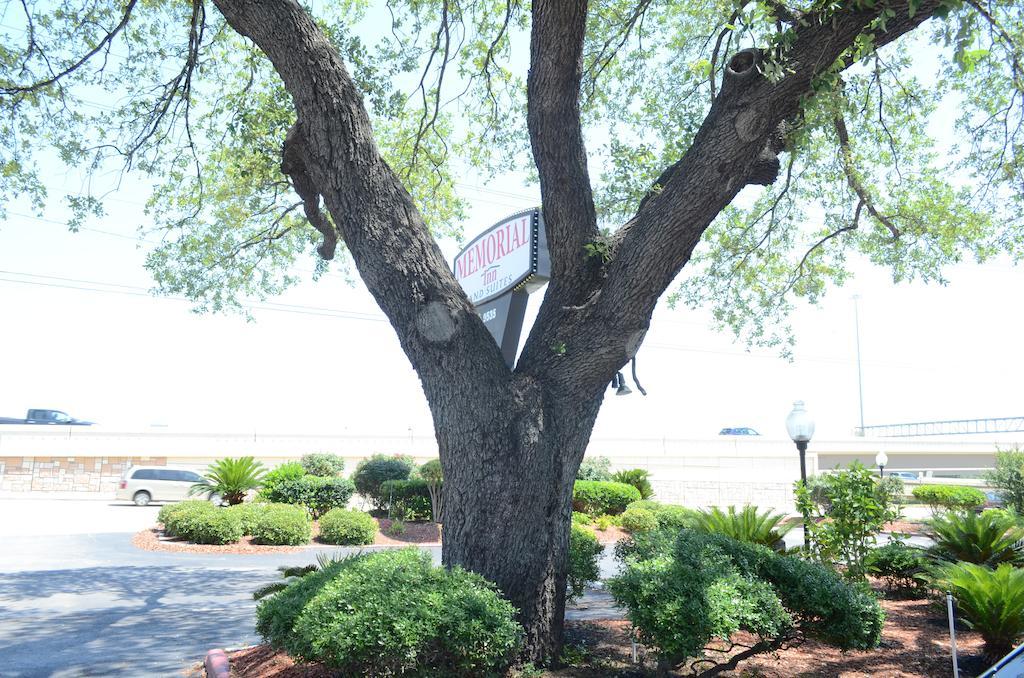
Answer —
881 459
800 427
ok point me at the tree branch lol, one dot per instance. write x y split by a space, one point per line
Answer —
846 157
105 42
553 91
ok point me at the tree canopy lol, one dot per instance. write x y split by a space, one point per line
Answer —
875 163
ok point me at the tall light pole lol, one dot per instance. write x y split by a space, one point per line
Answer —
860 374
800 427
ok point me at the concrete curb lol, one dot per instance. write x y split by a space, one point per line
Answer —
217 664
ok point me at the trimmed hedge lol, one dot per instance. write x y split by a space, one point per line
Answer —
323 464
393 613
283 525
347 527
248 513
669 516
201 522
949 496
636 519
406 499
319 495
595 497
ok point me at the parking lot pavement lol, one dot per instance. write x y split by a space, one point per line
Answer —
77 599
37 516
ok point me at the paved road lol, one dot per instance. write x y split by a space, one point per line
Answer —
78 604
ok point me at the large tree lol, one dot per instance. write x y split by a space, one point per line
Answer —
268 128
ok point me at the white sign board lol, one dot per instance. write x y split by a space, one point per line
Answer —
501 258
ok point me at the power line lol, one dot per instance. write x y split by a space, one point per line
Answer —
137 291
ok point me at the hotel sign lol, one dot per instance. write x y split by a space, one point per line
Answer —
511 254
499 269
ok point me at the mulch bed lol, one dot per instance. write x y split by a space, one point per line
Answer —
906 526
915 644
153 539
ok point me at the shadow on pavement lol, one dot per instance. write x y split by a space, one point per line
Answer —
114 621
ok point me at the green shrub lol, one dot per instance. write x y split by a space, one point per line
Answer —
901 567
638 478
843 534
248 513
406 499
646 504
584 561
177 517
638 520
379 468
291 470
393 613
323 464
347 527
581 518
595 468
950 497
985 539
231 479
890 491
319 495
282 524
602 523
685 589
990 602
209 526
1008 477
672 517
747 525
598 498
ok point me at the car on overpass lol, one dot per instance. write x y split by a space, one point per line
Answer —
738 431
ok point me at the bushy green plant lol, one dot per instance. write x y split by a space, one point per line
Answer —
672 517
433 475
891 491
636 519
595 468
323 464
394 613
282 524
638 478
602 523
987 538
347 527
318 495
406 499
685 589
845 533
1008 477
949 497
290 470
581 518
201 522
248 513
989 601
176 517
371 473
231 479
584 561
901 567
598 498
749 525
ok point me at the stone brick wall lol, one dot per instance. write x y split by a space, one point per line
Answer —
67 474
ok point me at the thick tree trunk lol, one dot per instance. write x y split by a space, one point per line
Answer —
508 499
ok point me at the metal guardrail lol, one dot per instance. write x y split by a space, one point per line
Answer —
951 427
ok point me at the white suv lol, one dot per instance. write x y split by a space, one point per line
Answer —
143 484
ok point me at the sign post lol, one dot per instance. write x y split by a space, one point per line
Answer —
499 269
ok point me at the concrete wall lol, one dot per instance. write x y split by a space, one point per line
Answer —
718 471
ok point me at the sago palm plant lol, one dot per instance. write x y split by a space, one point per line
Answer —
638 478
748 525
989 601
985 539
231 479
